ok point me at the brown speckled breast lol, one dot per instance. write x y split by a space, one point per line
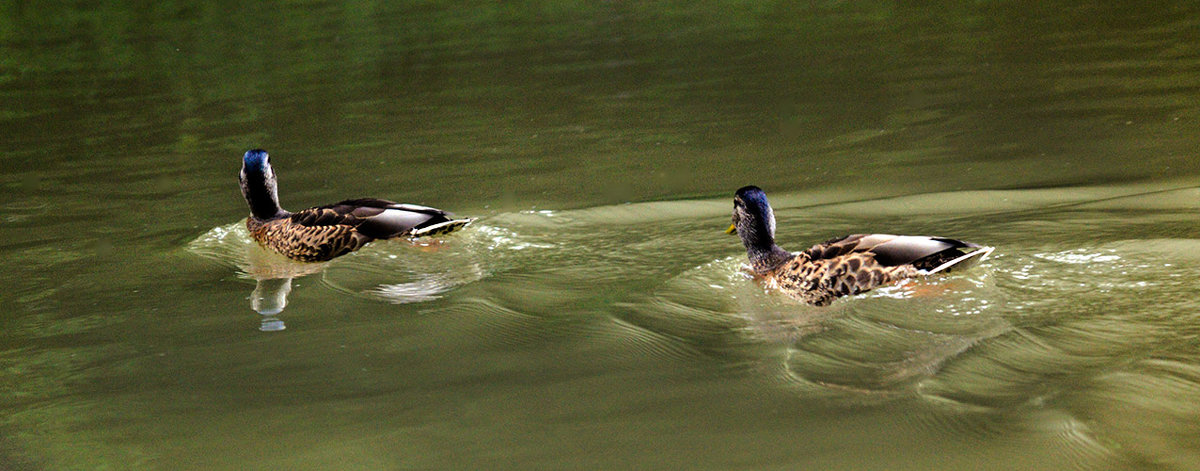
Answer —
305 243
821 281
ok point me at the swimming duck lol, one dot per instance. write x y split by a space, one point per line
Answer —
324 232
844 266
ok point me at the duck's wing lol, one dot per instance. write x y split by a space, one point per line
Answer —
378 219
925 253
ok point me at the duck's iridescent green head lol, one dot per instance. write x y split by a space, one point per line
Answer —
255 160
753 219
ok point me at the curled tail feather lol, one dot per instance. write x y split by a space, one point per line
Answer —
440 228
964 261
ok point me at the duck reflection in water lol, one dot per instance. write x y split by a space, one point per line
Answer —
273 275
268 299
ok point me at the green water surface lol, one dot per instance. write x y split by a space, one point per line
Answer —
595 316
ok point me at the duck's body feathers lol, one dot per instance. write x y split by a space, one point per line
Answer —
820 281
306 243
861 262
325 232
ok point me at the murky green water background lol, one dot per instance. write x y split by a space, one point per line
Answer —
595 317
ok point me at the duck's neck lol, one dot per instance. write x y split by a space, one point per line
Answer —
759 239
261 194
766 258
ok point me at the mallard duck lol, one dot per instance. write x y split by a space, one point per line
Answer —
324 232
844 266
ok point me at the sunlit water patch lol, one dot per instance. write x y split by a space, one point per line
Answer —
1081 318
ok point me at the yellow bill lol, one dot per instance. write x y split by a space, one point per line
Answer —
732 229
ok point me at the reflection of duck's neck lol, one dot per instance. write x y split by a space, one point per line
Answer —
269 298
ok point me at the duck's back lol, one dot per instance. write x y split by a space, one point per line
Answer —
374 218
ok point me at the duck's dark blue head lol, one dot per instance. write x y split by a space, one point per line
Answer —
753 219
255 160
751 196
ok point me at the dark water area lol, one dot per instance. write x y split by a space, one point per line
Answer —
595 317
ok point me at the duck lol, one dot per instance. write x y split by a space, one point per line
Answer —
323 233
842 266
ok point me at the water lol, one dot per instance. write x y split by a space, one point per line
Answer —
596 317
